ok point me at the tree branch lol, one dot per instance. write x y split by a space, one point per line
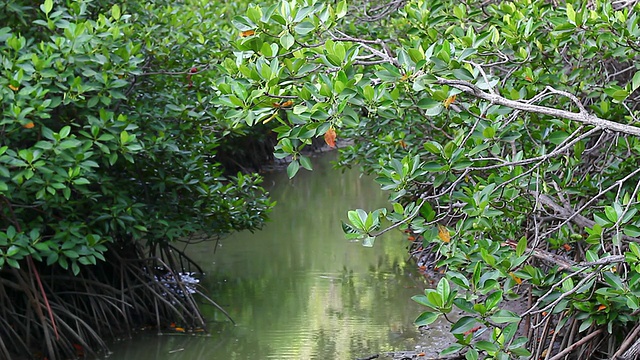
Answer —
582 116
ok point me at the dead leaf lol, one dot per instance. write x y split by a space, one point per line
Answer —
330 137
247 33
29 125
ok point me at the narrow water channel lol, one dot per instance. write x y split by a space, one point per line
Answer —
298 289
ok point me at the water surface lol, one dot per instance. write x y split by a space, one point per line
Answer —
298 289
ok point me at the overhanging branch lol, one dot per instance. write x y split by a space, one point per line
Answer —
582 116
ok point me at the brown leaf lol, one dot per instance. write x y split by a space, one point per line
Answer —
330 137
247 33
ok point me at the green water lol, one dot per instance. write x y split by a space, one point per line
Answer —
298 289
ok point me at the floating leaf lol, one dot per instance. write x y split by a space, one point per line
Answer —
443 233
330 137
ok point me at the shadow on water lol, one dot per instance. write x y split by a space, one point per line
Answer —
298 289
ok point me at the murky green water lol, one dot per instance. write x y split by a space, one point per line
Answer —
298 289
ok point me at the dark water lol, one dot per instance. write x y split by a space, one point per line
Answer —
298 289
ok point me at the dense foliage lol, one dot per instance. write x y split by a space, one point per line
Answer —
506 133
108 139
100 143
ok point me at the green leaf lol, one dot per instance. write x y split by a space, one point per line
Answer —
454 348
635 82
426 318
13 263
611 213
522 246
304 28
305 161
443 288
64 132
463 74
355 220
115 13
585 324
471 354
341 9
631 230
571 13
293 168
47 7
486 346
75 268
287 41
505 316
463 325
493 299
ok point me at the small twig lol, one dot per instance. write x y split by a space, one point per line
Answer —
281 96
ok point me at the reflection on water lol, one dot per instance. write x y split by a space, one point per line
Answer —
298 289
